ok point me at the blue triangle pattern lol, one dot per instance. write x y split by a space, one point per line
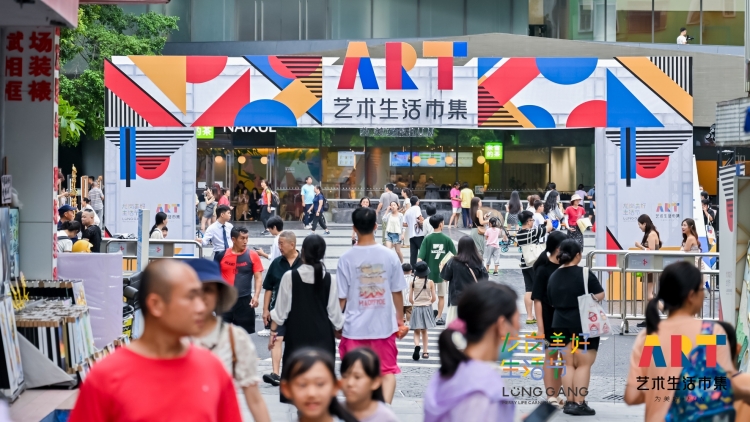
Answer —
623 109
484 64
406 82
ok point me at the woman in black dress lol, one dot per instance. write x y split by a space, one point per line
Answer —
564 287
544 266
307 305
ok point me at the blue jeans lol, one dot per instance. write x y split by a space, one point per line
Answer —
466 214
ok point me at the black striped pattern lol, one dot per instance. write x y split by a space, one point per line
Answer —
308 69
153 142
678 69
726 175
120 114
491 113
659 143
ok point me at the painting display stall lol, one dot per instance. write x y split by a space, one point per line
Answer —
11 372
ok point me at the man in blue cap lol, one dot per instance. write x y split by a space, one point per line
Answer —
228 342
66 213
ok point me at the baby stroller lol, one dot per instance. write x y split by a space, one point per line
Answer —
506 244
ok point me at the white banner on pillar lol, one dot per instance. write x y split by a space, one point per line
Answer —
644 171
154 169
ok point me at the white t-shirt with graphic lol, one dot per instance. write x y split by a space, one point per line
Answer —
410 218
367 276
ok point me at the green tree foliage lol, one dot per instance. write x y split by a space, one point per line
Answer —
71 126
103 32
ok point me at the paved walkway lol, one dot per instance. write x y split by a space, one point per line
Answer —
412 410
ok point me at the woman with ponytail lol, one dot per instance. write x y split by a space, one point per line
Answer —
544 266
307 305
565 285
468 387
309 380
681 294
161 222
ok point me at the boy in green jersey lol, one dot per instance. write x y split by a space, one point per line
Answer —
433 250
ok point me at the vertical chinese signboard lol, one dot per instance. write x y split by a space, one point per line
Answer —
30 91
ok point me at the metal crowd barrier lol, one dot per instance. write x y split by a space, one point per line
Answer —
165 249
626 302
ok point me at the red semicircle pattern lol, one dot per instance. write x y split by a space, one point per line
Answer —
650 167
589 114
151 167
202 69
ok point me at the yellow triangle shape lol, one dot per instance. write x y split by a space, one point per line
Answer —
168 73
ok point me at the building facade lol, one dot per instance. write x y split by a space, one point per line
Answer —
528 159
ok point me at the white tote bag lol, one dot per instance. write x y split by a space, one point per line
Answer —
593 319
531 252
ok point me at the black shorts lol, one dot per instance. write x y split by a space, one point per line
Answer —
242 314
280 329
593 342
528 279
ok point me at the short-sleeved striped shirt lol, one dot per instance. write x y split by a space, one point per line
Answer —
530 236
95 195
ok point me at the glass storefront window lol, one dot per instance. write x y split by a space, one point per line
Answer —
671 15
590 19
487 16
181 9
434 164
316 20
394 19
343 164
634 20
281 20
388 161
212 20
297 156
441 18
723 22
247 13
350 19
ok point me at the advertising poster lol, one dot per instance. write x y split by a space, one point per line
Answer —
153 169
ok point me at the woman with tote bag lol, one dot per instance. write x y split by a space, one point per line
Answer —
564 288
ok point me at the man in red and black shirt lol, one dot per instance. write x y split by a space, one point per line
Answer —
239 266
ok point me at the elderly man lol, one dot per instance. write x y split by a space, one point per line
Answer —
289 260
199 388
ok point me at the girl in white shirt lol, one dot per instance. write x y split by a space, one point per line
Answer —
393 224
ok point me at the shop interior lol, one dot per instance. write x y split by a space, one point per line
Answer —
348 166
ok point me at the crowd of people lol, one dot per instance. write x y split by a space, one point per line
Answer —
199 314
81 230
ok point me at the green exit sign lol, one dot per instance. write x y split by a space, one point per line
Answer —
493 151
204 132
